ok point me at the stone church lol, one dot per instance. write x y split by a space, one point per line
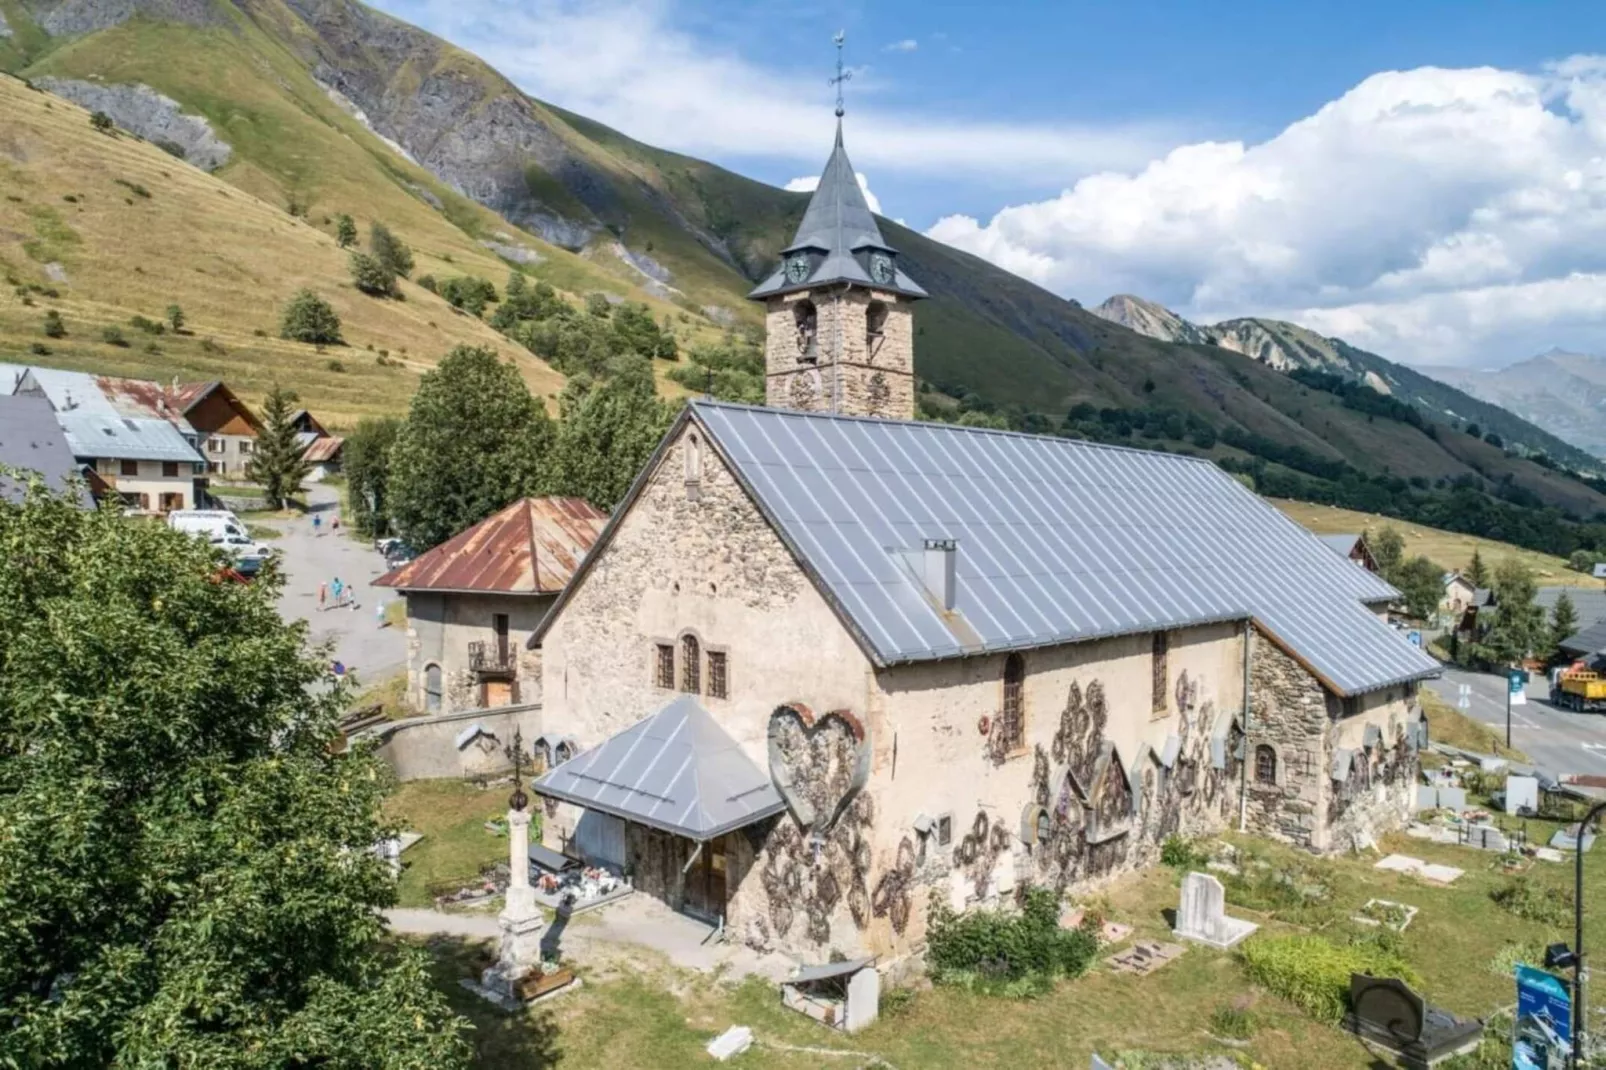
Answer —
826 661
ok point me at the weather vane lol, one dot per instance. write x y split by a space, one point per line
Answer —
518 800
841 75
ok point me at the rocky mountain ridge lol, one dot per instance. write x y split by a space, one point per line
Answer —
1563 392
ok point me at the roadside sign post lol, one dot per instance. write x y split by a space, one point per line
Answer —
1542 1032
1515 678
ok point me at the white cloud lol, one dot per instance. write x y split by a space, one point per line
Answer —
908 44
635 65
807 183
1439 216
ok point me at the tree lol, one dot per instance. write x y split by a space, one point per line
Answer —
1495 440
390 250
598 305
54 327
607 433
474 440
1579 561
517 285
1421 582
278 461
1563 621
309 318
1518 628
102 122
1477 571
371 276
185 864
175 318
345 231
365 460
1388 549
1474 430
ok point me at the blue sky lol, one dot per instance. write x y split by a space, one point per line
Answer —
1399 173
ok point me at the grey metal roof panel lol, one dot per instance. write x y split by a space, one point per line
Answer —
676 770
1059 541
1344 544
32 440
1589 640
93 434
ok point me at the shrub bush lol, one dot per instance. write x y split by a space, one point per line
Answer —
149 326
1526 898
54 327
309 318
175 318
1179 852
102 122
39 349
211 345
390 250
113 336
372 277
336 366
1313 973
1001 953
467 292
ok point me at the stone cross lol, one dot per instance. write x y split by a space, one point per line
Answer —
1202 915
519 949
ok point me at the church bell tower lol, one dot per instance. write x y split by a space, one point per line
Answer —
839 331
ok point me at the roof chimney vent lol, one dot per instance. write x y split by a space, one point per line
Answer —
937 570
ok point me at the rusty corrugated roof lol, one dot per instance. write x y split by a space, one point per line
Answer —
324 449
531 547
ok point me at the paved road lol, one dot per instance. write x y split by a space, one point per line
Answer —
1559 741
310 559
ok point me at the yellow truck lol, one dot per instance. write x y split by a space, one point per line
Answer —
1581 689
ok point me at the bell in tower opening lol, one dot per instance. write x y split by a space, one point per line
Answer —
839 331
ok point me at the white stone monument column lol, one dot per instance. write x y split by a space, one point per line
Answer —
519 950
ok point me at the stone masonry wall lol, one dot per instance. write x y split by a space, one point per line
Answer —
1288 712
874 377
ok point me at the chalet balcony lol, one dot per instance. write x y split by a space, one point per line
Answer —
490 659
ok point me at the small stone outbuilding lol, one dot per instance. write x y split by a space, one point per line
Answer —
474 601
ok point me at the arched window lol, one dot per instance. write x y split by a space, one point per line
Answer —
1044 829
1265 764
875 325
562 752
694 459
1012 717
690 664
807 321
541 752
432 688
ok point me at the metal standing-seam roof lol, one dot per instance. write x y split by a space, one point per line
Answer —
1058 541
677 771
104 416
31 440
531 547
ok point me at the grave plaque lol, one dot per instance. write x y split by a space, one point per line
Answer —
1385 1012
1202 915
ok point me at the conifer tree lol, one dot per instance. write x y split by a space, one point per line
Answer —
278 462
345 231
1477 571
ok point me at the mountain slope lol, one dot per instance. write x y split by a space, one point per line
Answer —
325 105
116 227
1288 347
1565 393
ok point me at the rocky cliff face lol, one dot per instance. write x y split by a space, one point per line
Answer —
69 18
141 110
1151 320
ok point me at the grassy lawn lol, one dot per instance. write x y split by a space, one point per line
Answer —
451 814
389 694
1444 548
651 1015
1446 724
262 531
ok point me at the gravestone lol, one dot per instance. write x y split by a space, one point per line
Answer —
1427 797
1386 1012
1453 798
1202 916
864 1000
1487 837
1521 792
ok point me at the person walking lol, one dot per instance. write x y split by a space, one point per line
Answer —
338 589
323 595
317 524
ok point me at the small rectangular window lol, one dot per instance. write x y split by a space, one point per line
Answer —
691 665
128 468
170 469
664 671
718 685
214 445
1162 676
945 830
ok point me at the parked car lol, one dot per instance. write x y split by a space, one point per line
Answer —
395 551
212 524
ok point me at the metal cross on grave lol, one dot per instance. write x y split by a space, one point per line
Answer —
515 754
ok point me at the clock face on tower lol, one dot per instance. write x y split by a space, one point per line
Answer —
797 268
881 268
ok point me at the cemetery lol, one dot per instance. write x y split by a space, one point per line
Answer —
1223 947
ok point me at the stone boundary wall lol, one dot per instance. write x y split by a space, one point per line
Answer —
421 748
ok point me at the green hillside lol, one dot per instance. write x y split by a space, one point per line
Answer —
328 106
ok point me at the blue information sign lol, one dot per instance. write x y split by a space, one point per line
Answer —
1515 679
1543 1033
1415 637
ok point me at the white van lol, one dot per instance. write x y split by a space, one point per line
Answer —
214 525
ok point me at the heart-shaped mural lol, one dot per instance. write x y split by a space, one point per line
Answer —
818 763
